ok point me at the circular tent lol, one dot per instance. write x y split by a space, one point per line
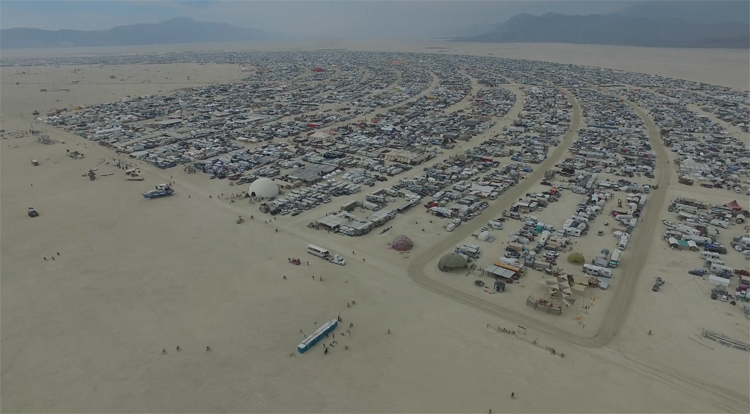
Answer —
263 188
451 261
576 258
402 244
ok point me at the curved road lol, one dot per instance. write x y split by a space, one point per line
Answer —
619 308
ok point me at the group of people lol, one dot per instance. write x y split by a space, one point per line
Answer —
164 351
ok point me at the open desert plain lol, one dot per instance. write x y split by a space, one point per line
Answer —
112 302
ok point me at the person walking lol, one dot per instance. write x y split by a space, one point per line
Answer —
513 395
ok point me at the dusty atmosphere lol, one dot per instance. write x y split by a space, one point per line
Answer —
130 277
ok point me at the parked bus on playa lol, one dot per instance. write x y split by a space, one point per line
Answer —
318 251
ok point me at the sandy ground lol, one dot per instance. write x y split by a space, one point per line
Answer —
85 332
21 85
727 67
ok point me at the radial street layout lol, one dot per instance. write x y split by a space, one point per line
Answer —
101 288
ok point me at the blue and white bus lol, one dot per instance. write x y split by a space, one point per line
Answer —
313 339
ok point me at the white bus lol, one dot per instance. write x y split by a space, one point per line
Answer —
318 251
615 259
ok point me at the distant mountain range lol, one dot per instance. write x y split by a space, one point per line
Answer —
692 11
179 30
712 24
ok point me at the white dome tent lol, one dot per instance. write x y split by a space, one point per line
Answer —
263 188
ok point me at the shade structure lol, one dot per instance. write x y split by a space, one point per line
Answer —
452 261
576 258
263 188
734 205
402 243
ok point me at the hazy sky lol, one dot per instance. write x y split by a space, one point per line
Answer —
310 18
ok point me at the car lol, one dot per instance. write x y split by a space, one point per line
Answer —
655 288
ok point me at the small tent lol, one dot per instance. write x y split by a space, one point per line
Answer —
734 205
576 258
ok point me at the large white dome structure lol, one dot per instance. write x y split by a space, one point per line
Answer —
263 188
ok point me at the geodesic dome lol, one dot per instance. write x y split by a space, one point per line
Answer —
451 261
263 188
402 244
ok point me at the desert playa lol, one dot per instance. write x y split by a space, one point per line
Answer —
102 287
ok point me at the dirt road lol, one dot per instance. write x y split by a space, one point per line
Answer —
644 235
416 269
619 308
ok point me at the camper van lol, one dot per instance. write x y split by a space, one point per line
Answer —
597 270
623 243
710 261
614 260
721 269
705 255
468 249
720 223
573 231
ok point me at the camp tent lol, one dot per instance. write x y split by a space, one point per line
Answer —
734 205
576 258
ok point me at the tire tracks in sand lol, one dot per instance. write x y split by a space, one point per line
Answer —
618 310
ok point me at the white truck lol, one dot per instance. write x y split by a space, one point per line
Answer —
497 225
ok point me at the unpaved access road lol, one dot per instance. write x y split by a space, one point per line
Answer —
619 308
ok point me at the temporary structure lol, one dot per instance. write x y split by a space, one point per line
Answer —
402 244
576 258
263 188
559 287
451 261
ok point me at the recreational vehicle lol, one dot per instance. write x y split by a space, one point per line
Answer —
318 251
614 260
